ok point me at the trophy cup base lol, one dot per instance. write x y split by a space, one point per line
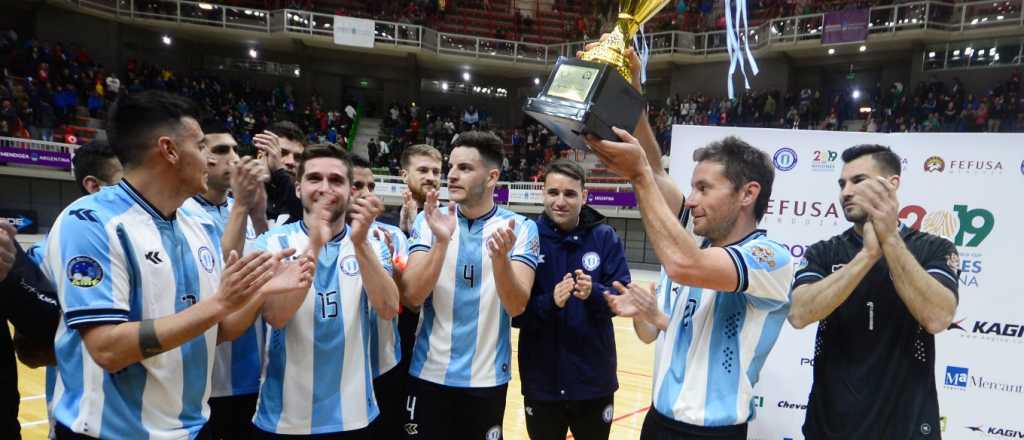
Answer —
583 98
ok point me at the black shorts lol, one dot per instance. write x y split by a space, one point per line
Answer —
389 389
659 427
587 419
438 412
231 417
358 434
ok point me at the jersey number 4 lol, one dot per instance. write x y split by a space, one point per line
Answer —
328 304
469 274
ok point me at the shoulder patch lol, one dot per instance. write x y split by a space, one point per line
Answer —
84 271
764 255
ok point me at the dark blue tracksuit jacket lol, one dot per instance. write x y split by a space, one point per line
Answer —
569 353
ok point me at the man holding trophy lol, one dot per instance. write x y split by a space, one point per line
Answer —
723 295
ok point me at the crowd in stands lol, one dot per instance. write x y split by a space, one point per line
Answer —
47 89
528 147
932 106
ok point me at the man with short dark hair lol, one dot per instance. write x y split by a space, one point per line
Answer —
567 356
280 146
721 302
144 292
878 281
462 359
385 342
239 218
318 379
94 166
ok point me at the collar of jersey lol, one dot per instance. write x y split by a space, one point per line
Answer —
337 238
752 235
142 202
202 201
470 221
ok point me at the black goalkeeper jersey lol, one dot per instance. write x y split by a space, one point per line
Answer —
874 365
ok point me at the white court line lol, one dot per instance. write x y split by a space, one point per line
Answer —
35 423
41 396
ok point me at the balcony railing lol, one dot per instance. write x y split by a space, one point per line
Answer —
923 15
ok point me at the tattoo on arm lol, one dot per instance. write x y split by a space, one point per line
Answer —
149 344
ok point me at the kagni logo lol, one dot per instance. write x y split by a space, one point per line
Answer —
997 431
785 159
1022 167
994 331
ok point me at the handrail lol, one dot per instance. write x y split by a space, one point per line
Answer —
928 14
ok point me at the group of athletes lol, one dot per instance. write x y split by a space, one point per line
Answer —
182 310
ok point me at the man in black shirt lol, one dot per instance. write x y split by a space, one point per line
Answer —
28 303
881 291
280 145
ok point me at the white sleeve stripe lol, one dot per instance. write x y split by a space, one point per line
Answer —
96 319
946 274
525 260
809 274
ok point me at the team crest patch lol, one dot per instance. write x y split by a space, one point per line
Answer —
764 255
206 259
84 272
591 261
953 261
349 266
606 415
494 433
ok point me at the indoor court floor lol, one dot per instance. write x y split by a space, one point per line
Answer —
635 363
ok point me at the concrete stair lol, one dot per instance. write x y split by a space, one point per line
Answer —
369 128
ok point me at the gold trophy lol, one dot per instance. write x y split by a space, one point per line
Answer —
586 96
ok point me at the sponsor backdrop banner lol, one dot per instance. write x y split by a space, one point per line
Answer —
971 195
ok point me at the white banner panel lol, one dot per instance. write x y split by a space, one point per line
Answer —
351 31
971 186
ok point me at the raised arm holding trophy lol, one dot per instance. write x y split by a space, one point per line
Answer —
592 94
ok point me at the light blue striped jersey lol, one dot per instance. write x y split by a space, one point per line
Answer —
115 259
709 359
317 377
463 335
236 367
385 342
